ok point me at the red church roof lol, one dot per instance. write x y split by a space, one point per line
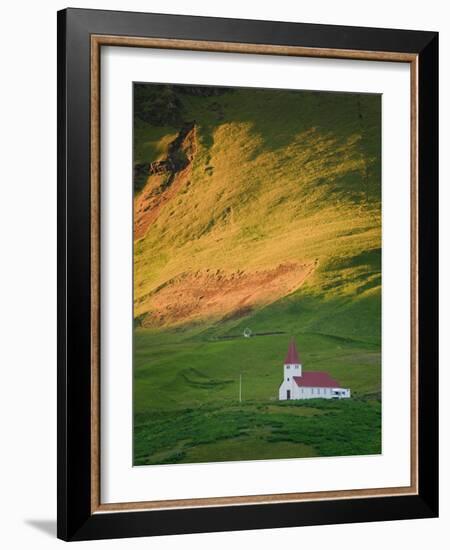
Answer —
292 355
316 380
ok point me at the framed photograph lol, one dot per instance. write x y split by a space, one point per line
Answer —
247 252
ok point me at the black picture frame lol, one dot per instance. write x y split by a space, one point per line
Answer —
76 521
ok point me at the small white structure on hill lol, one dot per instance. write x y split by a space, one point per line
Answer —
307 385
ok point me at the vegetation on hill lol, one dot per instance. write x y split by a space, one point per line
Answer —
259 209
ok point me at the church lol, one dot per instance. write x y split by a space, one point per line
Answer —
307 385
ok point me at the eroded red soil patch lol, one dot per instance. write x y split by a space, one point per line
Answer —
219 294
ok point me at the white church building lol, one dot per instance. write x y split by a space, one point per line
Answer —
307 385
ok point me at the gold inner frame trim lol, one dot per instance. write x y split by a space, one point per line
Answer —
97 41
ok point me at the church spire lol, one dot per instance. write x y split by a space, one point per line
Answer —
292 354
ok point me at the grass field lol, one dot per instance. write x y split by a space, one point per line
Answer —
186 389
264 213
256 430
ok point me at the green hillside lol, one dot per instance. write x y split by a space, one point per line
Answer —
254 209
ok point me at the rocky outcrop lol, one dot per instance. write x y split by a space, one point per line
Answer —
180 153
164 178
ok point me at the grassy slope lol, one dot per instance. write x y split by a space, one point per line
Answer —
278 176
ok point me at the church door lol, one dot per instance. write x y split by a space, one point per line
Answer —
288 394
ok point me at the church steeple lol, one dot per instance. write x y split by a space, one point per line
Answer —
292 355
292 363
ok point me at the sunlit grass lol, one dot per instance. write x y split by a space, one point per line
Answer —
282 176
278 176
